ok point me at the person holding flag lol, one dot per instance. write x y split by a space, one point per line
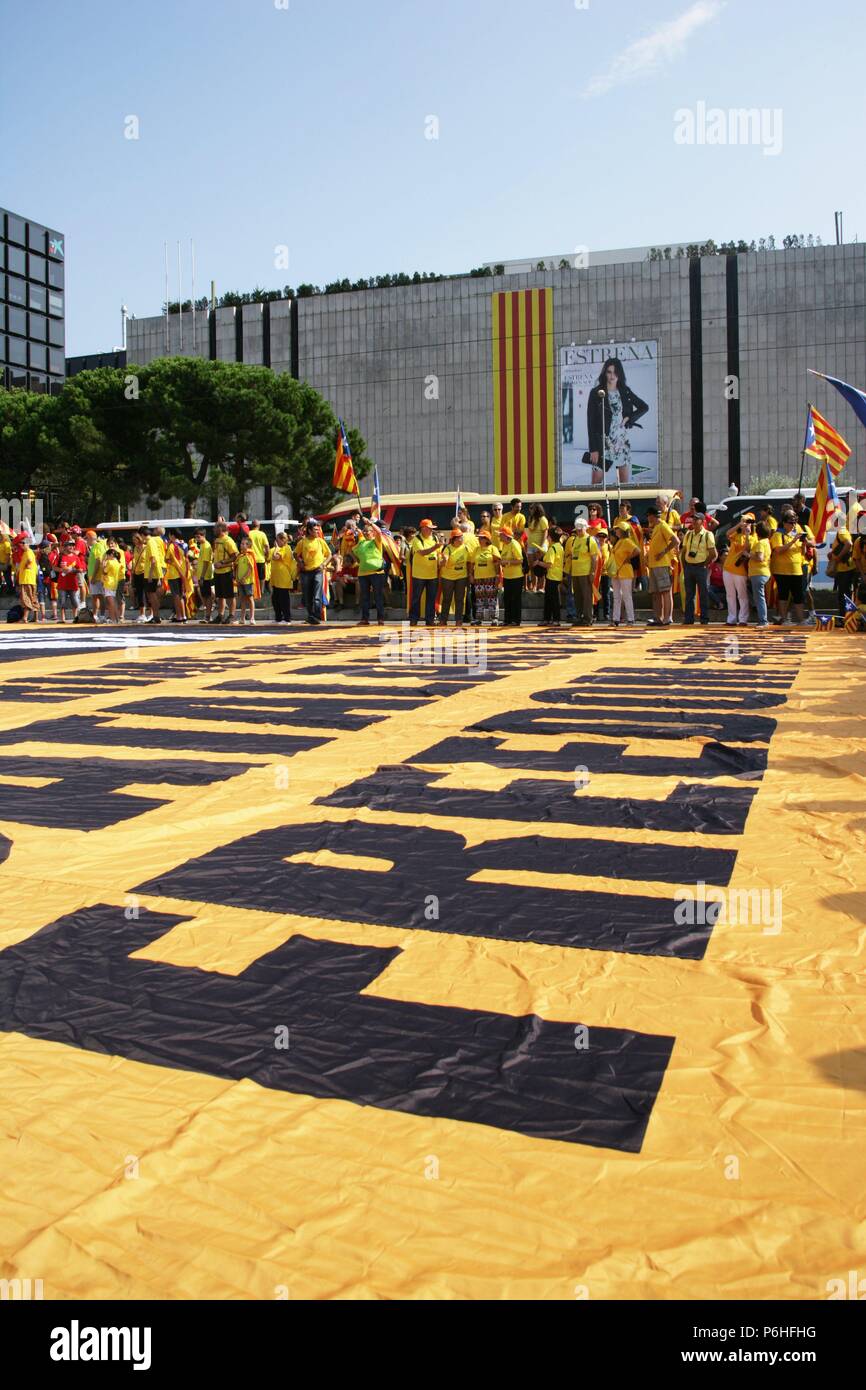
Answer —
249 583
178 574
371 572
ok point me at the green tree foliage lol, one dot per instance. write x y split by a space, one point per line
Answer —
761 483
180 428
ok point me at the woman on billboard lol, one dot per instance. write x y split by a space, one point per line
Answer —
613 409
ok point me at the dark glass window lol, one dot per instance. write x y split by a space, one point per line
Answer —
17 261
38 383
36 235
17 378
55 386
16 290
55 304
56 361
38 326
39 298
55 275
36 267
15 229
2 254
38 356
18 351
55 332
2 286
18 322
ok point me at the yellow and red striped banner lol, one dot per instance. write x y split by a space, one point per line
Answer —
524 403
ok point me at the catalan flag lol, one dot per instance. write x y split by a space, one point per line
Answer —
524 408
344 473
376 499
823 442
825 503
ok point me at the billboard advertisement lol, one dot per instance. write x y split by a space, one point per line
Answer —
610 413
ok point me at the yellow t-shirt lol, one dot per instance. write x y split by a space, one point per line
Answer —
246 564
788 561
581 553
537 534
484 561
671 518
660 538
736 545
284 568
172 564
456 558
423 566
204 562
759 556
556 560
27 566
495 527
472 543
312 554
515 521
623 550
511 555
259 543
224 552
697 547
471 524
154 558
5 551
111 572
844 566
139 560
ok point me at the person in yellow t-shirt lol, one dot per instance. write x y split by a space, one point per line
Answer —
422 564
661 551
514 519
624 551
791 552
698 551
843 566
453 577
261 550
204 574
284 572
314 556
511 555
225 558
667 511
735 570
485 568
246 572
464 517
497 521
6 563
27 567
554 562
153 571
470 540
581 554
759 569
112 571
537 528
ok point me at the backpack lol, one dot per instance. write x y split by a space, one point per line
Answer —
84 615
15 613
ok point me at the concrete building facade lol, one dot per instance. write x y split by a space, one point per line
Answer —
412 367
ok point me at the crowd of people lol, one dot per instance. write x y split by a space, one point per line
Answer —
588 574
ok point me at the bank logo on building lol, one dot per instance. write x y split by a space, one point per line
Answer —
55 246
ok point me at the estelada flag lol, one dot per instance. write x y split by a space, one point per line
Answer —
825 503
344 473
823 442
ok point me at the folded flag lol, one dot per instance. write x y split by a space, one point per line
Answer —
825 503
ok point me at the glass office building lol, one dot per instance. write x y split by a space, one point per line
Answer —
32 304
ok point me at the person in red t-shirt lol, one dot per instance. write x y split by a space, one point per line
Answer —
70 568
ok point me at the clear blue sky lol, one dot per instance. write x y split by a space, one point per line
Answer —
305 126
